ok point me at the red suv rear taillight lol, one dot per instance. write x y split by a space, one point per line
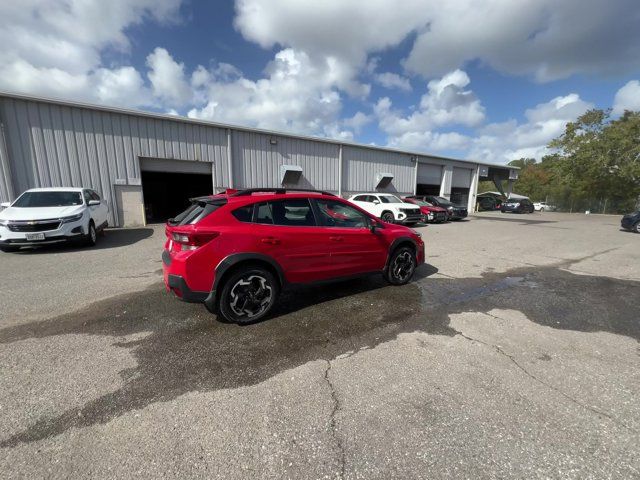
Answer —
192 240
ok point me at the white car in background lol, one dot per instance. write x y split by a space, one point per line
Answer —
43 216
388 208
542 206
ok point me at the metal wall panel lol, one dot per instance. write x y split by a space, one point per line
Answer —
51 145
361 165
6 177
256 161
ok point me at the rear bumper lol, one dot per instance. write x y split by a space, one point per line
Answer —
179 287
175 282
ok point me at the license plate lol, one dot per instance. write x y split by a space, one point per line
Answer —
35 236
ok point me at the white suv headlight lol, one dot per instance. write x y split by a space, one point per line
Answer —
72 218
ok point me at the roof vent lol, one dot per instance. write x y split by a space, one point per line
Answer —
383 179
290 174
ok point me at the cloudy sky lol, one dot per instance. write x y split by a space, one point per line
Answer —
491 80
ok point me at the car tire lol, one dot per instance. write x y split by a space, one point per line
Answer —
541 210
9 249
91 236
636 227
402 264
248 295
387 217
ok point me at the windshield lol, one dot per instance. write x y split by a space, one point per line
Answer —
390 199
48 199
443 201
422 203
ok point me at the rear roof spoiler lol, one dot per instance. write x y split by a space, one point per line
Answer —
209 200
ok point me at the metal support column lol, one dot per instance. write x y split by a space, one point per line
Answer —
229 158
339 170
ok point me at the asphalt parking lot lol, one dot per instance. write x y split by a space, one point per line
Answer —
513 354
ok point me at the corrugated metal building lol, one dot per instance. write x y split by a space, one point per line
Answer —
146 165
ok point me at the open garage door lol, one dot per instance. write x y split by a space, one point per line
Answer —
461 185
429 179
167 186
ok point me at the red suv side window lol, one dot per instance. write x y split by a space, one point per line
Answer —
243 214
337 214
295 212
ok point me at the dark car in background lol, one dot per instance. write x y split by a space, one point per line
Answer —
489 203
631 222
520 205
454 212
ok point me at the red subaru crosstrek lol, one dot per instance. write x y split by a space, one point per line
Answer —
236 251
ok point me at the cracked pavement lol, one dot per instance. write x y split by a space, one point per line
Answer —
513 354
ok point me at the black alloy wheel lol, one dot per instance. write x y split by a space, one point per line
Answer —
402 264
248 295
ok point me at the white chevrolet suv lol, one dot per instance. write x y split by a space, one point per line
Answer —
388 207
42 216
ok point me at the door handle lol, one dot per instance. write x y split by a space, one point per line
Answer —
270 240
336 239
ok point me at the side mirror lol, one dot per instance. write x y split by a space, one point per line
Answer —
5 204
376 202
93 203
374 225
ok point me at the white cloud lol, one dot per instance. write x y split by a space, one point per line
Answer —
503 142
544 38
343 29
120 86
393 80
295 94
168 79
446 102
53 47
627 98
495 142
357 121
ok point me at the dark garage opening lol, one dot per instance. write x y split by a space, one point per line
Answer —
460 196
424 189
167 194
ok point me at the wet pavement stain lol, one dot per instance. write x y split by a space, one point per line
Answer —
187 349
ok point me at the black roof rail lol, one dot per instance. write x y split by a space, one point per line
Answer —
249 191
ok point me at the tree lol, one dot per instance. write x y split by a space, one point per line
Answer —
599 158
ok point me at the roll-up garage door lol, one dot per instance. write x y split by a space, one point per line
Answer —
429 174
166 165
461 177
